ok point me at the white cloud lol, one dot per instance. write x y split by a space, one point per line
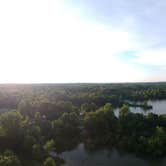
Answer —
152 57
144 22
41 41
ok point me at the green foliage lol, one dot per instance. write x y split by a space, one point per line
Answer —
11 121
87 107
101 125
124 111
37 151
9 159
66 128
12 124
49 145
49 162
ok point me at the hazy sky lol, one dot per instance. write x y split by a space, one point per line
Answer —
82 41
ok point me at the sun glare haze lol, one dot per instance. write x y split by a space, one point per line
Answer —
67 41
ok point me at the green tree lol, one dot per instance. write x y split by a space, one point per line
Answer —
49 145
9 159
49 162
101 125
124 111
12 124
87 107
37 151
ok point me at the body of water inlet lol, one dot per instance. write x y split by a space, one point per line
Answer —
158 107
80 157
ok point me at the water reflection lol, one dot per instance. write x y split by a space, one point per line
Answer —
81 157
159 107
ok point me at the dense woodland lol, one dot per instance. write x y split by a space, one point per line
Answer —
38 119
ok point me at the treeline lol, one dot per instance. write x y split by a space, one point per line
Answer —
77 94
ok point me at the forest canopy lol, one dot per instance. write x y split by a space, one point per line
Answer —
37 122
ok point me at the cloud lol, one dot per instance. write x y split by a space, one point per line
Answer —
80 41
144 20
152 57
44 42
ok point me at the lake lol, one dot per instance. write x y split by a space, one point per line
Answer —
80 157
159 107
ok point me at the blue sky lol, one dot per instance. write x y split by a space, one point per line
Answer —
143 20
82 41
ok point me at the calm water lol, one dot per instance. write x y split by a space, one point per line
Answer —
80 157
159 107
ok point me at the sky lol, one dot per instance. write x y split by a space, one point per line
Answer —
77 41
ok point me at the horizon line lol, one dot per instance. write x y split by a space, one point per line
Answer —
26 83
